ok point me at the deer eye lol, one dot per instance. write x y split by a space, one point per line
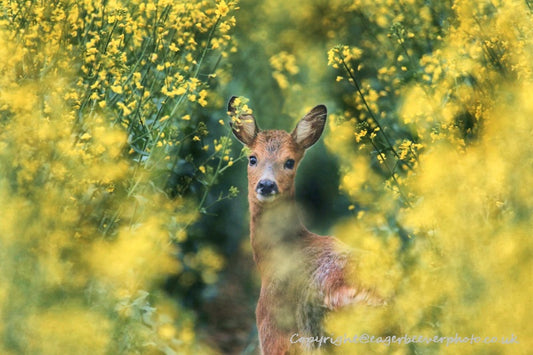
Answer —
289 164
253 160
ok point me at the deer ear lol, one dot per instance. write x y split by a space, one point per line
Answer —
242 124
310 127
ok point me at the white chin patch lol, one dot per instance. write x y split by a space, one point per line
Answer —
269 198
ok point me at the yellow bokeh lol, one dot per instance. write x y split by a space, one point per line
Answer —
88 231
454 256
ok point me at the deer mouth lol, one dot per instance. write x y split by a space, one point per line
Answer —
267 198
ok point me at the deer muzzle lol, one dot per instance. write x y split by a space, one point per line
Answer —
266 190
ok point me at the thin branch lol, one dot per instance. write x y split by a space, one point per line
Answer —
358 88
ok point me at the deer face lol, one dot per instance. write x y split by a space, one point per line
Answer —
272 165
275 154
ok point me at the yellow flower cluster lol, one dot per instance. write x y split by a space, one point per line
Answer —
92 97
454 221
343 54
284 66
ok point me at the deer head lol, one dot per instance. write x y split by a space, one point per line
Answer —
275 154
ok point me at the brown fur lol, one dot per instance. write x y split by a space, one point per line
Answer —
303 275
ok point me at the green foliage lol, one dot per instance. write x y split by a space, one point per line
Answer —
430 117
99 110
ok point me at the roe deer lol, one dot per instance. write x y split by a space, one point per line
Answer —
303 275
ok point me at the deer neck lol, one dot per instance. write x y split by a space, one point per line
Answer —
275 228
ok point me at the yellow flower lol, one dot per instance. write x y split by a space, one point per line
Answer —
222 8
167 331
117 89
173 47
180 91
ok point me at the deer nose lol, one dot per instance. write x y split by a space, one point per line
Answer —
267 187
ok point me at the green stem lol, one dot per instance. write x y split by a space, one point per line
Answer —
204 52
359 91
379 151
215 175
